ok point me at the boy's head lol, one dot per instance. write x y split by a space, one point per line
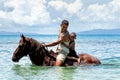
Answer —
73 35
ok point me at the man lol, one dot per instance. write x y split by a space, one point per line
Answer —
62 38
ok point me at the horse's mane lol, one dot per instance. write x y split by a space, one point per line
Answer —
38 50
34 42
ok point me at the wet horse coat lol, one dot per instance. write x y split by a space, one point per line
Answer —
42 57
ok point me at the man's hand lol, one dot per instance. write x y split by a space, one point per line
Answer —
43 45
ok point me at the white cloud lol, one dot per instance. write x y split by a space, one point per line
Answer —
0 25
28 12
58 5
101 12
71 8
2 14
75 6
57 19
98 14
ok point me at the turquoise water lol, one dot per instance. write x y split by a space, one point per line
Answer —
106 48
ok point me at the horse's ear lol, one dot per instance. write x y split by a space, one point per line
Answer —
22 36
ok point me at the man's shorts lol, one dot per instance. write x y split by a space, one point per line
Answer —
62 56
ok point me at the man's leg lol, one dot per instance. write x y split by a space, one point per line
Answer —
60 59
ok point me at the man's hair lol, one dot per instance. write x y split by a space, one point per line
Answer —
65 22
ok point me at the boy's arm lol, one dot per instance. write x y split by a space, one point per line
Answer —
72 58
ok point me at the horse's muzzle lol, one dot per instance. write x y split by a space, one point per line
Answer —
14 59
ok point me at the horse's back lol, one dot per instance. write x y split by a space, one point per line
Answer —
89 59
53 54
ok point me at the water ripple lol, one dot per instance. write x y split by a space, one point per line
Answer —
4 51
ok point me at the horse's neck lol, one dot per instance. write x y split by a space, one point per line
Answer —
34 45
36 59
40 56
35 53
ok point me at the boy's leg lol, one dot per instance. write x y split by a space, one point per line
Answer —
58 63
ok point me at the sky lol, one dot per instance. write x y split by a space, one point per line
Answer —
45 16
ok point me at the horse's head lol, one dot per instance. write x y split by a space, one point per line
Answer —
21 50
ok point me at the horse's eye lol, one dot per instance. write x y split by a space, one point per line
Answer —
22 45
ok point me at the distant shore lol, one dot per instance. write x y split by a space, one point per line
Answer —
91 32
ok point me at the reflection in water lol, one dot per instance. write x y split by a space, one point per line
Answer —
65 73
30 72
25 72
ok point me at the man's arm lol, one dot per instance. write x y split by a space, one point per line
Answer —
60 39
53 43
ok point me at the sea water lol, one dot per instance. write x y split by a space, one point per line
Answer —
104 47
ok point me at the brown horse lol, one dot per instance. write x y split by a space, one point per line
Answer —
42 57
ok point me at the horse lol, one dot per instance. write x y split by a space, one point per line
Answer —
41 56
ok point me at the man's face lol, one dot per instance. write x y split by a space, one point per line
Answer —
64 27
